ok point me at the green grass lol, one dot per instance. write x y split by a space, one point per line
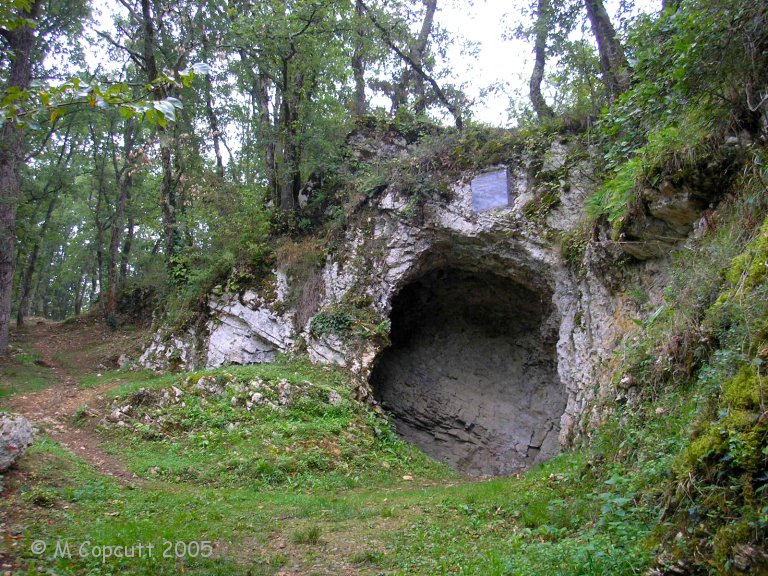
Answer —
176 430
350 510
19 373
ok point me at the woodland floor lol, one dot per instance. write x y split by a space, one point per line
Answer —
71 352
80 484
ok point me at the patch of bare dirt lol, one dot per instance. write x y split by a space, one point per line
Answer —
71 350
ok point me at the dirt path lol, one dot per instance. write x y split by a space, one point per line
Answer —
52 409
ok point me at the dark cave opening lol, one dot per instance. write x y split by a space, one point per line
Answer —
471 373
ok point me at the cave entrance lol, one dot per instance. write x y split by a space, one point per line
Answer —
471 373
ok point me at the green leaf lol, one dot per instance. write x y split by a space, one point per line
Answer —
166 109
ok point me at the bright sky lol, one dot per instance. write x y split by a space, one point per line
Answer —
498 61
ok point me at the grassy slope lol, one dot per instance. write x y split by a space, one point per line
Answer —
312 488
320 484
315 486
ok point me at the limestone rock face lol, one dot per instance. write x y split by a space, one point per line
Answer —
468 327
245 331
177 351
16 436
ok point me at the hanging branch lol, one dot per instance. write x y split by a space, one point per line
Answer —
415 66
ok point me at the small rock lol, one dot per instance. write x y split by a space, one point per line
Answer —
746 557
408 477
209 385
283 392
16 435
123 361
334 398
627 381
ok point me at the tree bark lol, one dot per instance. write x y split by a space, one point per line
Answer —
125 253
124 182
290 184
411 80
167 186
214 123
359 104
613 63
538 102
25 289
21 42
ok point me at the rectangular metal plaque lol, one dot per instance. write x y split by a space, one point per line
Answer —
490 190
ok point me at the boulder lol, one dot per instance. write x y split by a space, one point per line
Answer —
16 435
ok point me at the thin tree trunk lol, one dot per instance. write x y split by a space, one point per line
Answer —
291 180
81 286
26 281
259 92
167 186
25 288
418 53
214 123
538 102
125 253
613 63
359 105
21 41
124 183
417 68
412 81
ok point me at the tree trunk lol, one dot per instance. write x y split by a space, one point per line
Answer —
167 186
418 52
359 105
25 289
125 253
21 41
613 63
81 286
538 102
417 68
412 81
124 182
290 184
214 123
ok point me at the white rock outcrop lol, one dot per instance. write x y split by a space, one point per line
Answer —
16 435
565 341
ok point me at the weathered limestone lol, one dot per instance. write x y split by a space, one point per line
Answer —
246 331
496 347
16 435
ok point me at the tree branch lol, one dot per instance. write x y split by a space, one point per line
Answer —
415 66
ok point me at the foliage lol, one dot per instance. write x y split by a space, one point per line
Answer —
707 342
284 426
351 320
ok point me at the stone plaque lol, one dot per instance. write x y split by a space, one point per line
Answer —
490 190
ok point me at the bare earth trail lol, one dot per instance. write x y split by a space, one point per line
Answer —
52 410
